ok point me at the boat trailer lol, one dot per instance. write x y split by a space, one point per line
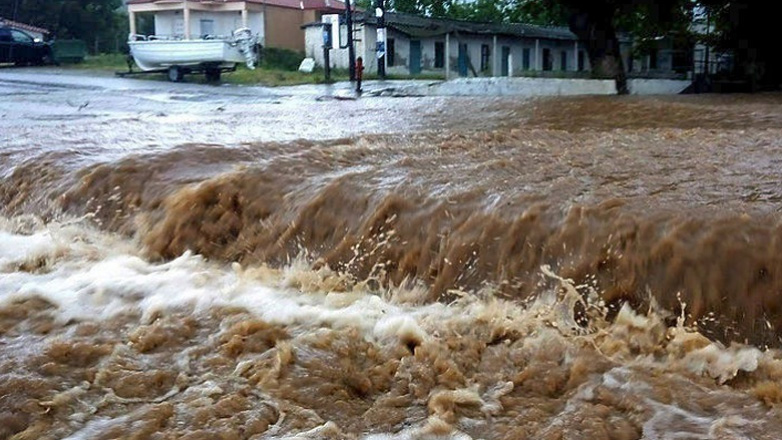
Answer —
212 71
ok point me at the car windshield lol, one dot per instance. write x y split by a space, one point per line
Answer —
21 37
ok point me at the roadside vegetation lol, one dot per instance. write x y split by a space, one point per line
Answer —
278 67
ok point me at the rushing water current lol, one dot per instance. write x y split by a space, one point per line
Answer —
580 268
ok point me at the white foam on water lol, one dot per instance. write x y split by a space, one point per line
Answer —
14 247
91 275
87 277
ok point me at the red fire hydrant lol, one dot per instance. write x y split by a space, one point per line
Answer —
359 73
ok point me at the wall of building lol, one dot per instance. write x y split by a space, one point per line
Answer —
536 87
283 28
535 47
369 48
171 23
401 58
338 58
313 44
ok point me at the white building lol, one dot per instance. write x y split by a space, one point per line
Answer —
277 23
418 45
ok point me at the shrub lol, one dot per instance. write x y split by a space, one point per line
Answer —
281 59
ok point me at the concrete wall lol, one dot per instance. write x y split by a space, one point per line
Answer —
657 86
537 87
512 87
314 49
283 28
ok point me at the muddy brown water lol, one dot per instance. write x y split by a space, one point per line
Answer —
590 268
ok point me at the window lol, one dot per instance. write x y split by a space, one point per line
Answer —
207 27
525 59
391 51
21 37
439 54
485 57
563 60
653 60
548 63
581 61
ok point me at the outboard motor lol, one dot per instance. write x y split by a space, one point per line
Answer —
246 41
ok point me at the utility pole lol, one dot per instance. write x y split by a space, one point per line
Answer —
327 45
707 64
380 13
351 49
11 47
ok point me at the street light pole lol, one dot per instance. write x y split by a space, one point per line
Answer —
351 49
11 47
380 13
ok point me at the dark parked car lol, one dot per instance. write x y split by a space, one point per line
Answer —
19 47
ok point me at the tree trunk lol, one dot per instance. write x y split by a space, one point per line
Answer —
593 24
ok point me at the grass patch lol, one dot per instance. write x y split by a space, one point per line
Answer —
105 62
278 77
268 74
278 68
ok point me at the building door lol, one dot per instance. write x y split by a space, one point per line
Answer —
415 57
548 63
505 66
207 28
462 60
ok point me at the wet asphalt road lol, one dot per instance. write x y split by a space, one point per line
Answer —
47 111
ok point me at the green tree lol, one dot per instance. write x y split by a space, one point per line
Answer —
742 27
745 28
100 23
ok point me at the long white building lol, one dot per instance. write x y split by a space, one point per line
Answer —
425 46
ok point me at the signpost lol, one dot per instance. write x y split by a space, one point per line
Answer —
331 40
380 14
327 45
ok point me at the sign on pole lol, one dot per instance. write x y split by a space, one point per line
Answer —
333 20
381 43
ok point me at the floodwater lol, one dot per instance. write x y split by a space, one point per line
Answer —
192 262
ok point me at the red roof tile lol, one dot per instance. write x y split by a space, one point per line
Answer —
22 26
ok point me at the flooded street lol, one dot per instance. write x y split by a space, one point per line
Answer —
198 262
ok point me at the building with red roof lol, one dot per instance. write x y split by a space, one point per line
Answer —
277 23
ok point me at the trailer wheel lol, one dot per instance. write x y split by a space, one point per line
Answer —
175 74
213 75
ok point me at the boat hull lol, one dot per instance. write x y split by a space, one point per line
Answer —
161 54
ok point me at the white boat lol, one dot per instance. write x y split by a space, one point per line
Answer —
211 55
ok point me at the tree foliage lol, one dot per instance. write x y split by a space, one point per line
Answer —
88 20
486 11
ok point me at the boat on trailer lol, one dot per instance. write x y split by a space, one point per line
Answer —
210 55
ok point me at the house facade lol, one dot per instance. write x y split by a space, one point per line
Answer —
426 46
277 23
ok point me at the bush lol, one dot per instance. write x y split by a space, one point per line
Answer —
281 59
